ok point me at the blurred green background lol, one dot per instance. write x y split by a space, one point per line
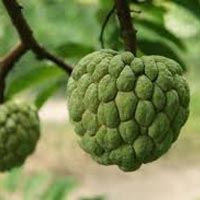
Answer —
59 169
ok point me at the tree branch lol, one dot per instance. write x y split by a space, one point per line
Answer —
26 34
28 42
7 63
127 29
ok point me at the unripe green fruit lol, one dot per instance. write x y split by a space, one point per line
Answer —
19 133
127 110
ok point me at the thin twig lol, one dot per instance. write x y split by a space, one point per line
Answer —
127 29
104 26
43 53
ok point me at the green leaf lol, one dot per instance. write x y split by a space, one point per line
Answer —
113 39
73 50
12 180
151 11
106 4
46 92
182 22
34 186
159 48
31 78
59 189
192 5
94 198
160 30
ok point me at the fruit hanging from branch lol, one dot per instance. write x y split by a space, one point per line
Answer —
127 110
19 133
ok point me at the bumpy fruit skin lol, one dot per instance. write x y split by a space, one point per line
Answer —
127 110
19 133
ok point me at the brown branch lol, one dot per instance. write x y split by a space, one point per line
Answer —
15 12
127 29
28 42
7 63
43 53
13 56
26 34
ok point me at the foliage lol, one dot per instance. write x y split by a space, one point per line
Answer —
37 186
170 28
40 186
94 198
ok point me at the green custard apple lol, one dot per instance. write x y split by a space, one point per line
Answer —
19 133
127 110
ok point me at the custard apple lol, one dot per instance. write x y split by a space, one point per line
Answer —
19 133
127 110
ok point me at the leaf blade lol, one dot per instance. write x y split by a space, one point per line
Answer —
162 32
159 48
59 189
30 78
46 92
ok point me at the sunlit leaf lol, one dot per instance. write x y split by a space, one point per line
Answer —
59 189
13 179
162 32
34 186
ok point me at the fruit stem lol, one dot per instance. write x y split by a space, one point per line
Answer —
128 31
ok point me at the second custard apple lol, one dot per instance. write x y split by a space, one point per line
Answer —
127 110
19 133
